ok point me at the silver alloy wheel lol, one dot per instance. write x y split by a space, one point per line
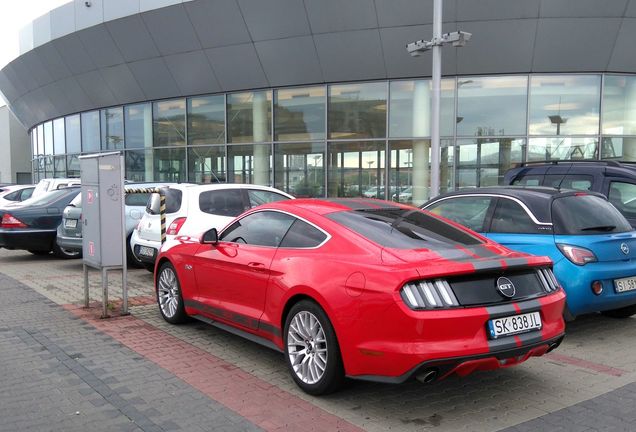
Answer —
307 347
168 292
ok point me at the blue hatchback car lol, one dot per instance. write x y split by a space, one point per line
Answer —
592 245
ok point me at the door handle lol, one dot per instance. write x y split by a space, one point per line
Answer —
256 266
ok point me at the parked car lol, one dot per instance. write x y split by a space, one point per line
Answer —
191 209
69 232
50 184
15 193
365 289
592 245
32 224
405 195
615 180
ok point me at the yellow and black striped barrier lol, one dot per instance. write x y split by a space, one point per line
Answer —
162 205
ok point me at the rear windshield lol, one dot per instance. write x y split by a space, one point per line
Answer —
137 199
173 200
403 228
49 197
586 214
77 201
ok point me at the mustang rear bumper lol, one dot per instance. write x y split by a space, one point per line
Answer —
462 366
400 343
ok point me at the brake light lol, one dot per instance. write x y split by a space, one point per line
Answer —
175 226
578 255
9 221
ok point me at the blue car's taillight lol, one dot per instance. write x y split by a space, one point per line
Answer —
576 254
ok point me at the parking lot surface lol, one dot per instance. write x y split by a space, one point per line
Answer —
64 368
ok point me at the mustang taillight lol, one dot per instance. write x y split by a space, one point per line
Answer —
549 282
435 294
9 221
576 254
175 226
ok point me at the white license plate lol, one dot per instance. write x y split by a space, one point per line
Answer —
70 223
515 324
146 251
625 284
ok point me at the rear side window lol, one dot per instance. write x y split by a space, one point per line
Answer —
623 196
137 199
258 197
510 217
586 214
264 228
223 202
402 228
468 211
529 180
571 181
303 235
13 196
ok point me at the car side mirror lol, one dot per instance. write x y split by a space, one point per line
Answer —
210 237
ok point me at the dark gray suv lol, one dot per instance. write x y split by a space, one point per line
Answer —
615 180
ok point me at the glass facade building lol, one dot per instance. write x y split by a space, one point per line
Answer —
354 139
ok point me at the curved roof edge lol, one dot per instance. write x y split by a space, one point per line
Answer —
113 52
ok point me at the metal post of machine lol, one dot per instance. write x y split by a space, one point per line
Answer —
86 297
124 268
104 293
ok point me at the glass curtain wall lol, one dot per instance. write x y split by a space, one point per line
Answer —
138 142
356 169
299 168
619 118
112 128
339 139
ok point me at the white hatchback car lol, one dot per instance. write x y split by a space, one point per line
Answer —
194 209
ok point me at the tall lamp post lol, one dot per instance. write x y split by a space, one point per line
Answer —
457 39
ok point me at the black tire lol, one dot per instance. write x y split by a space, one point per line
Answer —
39 252
333 377
173 313
149 267
621 313
132 259
64 253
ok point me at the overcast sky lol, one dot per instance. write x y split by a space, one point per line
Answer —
14 15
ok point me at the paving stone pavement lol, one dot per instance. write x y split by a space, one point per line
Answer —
588 384
59 374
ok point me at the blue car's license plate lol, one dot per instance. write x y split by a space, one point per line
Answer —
625 284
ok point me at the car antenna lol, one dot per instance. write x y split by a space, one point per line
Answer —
564 176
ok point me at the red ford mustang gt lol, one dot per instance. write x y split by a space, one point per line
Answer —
364 289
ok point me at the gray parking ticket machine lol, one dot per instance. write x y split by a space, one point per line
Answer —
103 221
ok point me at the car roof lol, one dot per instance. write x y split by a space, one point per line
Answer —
536 198
608 167
324 206
215 186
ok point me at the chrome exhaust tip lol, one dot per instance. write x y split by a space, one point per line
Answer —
427 377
